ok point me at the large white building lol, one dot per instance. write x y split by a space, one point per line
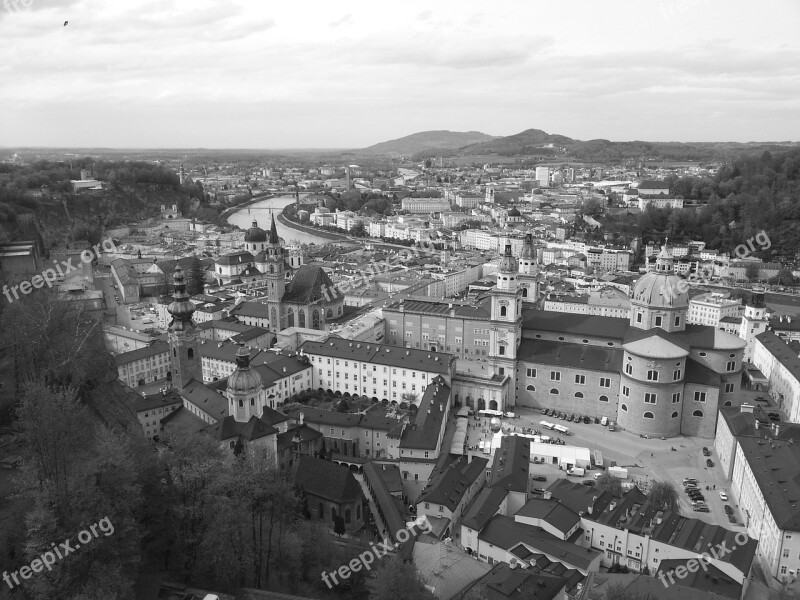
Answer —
425 205
711 308
543 176
778 360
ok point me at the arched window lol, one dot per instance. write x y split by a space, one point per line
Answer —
274 319
554 391
232 444
358 512
241 403
648 415
624 408
524 292
329 314
530 388
315 319
603 398
674 415
333 513
347 515
190 353
290 318
301 318
321 511
728 403
579 394
697 413
174 352
503 311
252 401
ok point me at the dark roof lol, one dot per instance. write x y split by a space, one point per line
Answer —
286 439
386 502
479 310
229 428
551 511
273 232
379 354
448 483
588 325
581 356
157 347
310 284
327 480
784 324
324 417
709 580
780 350
152 401
512 461
205 398
652 184
424 431
251 309
504 583
241 257
699 373
504 532
579 498
224 351
485 505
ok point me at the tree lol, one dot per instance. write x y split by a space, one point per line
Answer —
358 230
196 279
609 483
397 580
409 397
664 496
338 526
752 270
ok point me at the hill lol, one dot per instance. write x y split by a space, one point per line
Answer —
426 141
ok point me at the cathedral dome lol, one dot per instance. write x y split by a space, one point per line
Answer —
660 290
244 380
513 213
255 234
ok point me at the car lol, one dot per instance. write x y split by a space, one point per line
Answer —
728 509
588 482
774 416
698 497
689 480
723 496
706 451
571 418
587 420
762 399
691 489
731 518
604 421
539 478
704 509
709 463
539 490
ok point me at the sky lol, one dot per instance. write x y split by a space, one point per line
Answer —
322 74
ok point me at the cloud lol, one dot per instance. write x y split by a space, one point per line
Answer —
346 19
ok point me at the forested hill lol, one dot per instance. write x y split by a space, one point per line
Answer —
751 195
39 193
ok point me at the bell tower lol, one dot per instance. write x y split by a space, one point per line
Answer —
506 318
182 335
275 274
529 271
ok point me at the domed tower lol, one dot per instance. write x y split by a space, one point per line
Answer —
275 273
506 319
244 389
660 298
528 271
182 335
255 239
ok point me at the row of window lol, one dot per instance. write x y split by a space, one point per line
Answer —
674 415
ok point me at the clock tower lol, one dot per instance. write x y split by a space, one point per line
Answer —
506 319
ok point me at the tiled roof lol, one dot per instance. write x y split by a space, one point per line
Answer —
589 325
327 480
309 285
577 497
235 258
582 356
424 431
448 483
551 511
782 352
511 464
152 401
224 351
154 349
485 505
378 354
206 399
251 309
479 310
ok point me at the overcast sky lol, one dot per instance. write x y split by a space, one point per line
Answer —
269 74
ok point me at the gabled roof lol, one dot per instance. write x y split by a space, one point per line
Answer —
380 354
206 399
154 349
235 258
251 309
448 483
311 284
327 480
551 511
511 464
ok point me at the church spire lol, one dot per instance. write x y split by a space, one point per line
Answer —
181 308
273 233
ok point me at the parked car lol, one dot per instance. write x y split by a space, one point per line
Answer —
588 482
728 509
731 518
539 478
706 451
774 416
723 496
709 463
689 480
587 420
538 490
704 509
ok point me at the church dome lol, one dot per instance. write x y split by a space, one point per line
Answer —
660 290
508 264
513 213
244 380
255 234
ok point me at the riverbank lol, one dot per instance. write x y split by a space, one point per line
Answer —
223 216
334 237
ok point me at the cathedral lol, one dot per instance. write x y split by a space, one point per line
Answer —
309 300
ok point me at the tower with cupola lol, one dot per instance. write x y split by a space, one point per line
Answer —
182 335
528 271
244 389
506 317
660 298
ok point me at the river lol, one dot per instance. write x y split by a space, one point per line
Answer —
260 211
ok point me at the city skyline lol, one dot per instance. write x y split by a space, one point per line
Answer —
307 75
